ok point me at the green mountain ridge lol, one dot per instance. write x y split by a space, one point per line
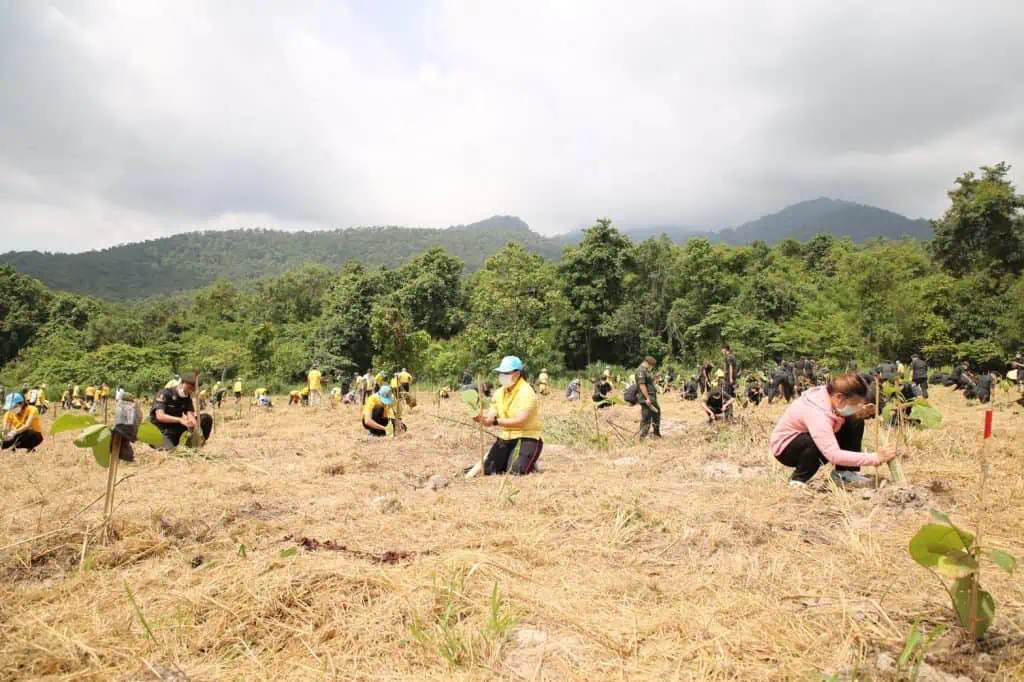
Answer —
187 261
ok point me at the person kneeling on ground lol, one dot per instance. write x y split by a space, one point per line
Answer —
718 404
602 388
377 412
174 414
690 390
517 411
819 427
22 426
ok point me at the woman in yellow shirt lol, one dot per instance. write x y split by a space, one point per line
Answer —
516 410
377 412
22 426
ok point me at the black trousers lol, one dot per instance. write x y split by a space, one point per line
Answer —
172 436
649 418
923 383
26 440
499 459
805 457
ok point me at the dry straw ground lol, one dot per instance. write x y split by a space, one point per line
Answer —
686 559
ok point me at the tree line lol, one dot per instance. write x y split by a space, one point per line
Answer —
606 301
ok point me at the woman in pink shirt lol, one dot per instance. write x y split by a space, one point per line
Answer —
820 427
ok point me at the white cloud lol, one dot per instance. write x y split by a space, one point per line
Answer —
134 120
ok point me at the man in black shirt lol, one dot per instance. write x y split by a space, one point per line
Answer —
174 414
602 387
919 376
690 389
718 404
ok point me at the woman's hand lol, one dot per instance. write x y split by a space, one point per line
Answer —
885 455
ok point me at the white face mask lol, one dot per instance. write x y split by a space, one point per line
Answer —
506 379
847 411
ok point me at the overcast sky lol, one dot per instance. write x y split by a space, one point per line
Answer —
122 121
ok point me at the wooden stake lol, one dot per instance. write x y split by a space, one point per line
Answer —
976 578
878 418
197 440
108 505
480 413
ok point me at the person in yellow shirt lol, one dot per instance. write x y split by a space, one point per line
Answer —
378 381
377 412
304 395
293 397
315 384
516 410
237 390
394 383
404 380
543 382
22 426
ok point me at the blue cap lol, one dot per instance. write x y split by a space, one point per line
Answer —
385 395
510 363
13 399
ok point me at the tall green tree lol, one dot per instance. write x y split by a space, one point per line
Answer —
592 282
983 226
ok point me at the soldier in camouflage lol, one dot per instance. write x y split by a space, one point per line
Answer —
650 412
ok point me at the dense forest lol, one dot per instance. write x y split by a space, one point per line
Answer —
606 300
188 261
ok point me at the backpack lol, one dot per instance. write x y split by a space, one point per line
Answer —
632 394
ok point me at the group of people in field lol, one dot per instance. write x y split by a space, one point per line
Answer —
823 423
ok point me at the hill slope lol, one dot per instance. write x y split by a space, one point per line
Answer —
195 259
832 216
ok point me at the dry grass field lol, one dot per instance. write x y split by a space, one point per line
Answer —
296 548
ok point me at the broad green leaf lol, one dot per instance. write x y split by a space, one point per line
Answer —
285 553
913 639
985 610
183 439
938 515
150 435
889 390
926 414
1005 561
89 436
888 410
101 448
470 398
956 565
71 422
934 541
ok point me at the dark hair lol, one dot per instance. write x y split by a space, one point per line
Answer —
651 361
851 385
725 346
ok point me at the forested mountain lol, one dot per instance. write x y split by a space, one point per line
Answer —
188 261
195 259
606 300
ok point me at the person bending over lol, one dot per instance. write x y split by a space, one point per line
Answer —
377 412
819 427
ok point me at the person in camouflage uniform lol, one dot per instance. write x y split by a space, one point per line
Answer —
650 412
